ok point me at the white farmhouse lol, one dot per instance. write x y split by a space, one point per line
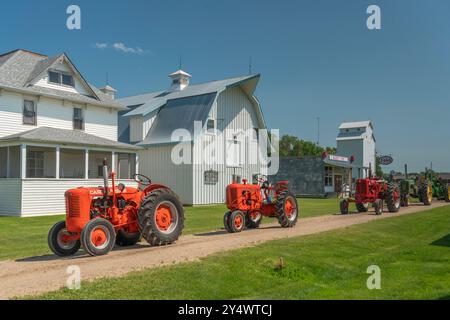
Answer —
357 139
225 106
55 131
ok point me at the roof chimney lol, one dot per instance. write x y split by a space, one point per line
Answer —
109 91
180 80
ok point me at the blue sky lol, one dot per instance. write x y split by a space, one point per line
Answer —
317 59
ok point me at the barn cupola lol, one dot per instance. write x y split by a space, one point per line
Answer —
109 91
180 80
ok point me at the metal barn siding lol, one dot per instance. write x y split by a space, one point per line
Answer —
156 163
10 197
232 110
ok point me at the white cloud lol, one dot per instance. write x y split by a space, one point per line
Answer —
120 46
101 45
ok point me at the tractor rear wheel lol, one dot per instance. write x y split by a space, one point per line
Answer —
237 221
161 217
392 198
426 193
378 206
362 207
125 238
447 193
58 243
253 220
98 237
343 206
287 209
226 221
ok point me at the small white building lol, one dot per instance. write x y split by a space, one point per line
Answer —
55 131
225 106
357 139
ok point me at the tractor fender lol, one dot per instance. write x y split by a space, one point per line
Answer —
153 187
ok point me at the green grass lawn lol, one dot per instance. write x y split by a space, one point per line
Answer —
412 251
24 237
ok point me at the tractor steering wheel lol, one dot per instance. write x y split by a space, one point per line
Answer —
142 180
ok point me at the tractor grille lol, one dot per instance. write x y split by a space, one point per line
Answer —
73 205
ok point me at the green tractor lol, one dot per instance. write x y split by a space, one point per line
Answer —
419 188
441 190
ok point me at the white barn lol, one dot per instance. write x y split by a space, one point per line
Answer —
357 139
55 131
228 106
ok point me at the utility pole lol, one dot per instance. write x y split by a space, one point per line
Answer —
318 131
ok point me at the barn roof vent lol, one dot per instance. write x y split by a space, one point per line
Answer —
180 80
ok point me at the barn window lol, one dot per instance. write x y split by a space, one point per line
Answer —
67 80
211 126
78 119
233 153
29 112
211 177
328 176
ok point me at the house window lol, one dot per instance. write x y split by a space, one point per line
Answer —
29 112
211 126
211 177
328 176
61 78
35 164
78 119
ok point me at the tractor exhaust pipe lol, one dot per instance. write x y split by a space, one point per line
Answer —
105 176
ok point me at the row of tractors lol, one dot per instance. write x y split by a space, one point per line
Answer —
377 191
99 218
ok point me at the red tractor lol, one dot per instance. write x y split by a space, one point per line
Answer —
373 191
98 218
248 203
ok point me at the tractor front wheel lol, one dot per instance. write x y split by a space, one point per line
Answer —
378 206
404 202
392 198
59 241
426 194
98 237
125 238
237 221
226 221
161 217
343 206
362 207
287 209
253 220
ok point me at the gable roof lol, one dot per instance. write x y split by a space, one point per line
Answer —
69 137
154 100
19 68
356 124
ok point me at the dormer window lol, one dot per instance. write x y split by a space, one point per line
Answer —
61 78
211 126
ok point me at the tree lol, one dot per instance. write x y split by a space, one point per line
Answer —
291 146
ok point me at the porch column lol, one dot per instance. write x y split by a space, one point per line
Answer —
23 161
137 163
7 163
58 154
113 160
86 163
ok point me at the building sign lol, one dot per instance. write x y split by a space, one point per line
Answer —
385 160
338 158
211 177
